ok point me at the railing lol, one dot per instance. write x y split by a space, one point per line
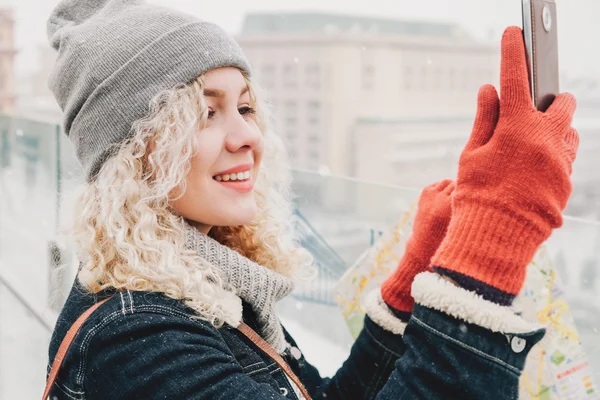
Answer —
330 265
22 300
337 218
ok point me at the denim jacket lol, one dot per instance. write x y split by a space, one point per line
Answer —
142 345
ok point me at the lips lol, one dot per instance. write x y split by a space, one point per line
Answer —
238 178
236 169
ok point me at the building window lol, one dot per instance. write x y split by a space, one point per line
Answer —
313 76
368 77
438 78
425 78
291 107
452 79
466 80
291 135
313 150
408 78
267 76
314 106
289 75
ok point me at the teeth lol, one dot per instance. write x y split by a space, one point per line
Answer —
240 176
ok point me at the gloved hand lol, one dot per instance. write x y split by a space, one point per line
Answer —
513 183
431 222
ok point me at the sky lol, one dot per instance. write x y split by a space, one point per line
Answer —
579 31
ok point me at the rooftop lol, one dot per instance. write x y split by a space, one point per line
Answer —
307 23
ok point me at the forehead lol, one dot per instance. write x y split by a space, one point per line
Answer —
223 81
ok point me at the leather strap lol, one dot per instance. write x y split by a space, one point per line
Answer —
270 351
243 328
66 343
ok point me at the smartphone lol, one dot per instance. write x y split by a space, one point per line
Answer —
541 44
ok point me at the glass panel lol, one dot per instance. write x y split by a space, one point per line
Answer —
28 220
575 251
24 338
28 204
340 218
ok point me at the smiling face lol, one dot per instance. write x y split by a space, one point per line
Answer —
220 184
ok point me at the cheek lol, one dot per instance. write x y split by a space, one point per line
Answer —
207 152
208 149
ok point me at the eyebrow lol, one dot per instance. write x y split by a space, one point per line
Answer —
220 93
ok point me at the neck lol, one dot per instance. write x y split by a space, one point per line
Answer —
199 226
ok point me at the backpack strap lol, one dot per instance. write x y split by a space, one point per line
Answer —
270 351
66 343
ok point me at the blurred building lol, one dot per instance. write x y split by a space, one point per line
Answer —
585 199
389 101
349 92
7 58
410 152
36 101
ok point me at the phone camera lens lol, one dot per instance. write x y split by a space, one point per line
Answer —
547 18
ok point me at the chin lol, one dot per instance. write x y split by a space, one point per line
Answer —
222 212
240 214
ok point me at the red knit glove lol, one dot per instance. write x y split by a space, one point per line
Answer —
429 229
512 185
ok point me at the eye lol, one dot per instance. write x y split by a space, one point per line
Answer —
211 114
246 110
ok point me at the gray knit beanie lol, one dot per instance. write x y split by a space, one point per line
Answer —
114 56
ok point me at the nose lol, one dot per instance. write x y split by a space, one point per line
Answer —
242 135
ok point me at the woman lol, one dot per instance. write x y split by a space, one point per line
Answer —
183 229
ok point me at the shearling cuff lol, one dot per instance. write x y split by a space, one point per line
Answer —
381 314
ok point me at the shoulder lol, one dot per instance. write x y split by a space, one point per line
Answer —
131 328
126 307
131 303
141 313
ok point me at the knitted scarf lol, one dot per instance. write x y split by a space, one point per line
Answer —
259 286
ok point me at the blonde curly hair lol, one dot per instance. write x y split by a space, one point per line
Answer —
128 237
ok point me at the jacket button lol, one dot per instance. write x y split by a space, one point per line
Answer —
283 391
518 344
